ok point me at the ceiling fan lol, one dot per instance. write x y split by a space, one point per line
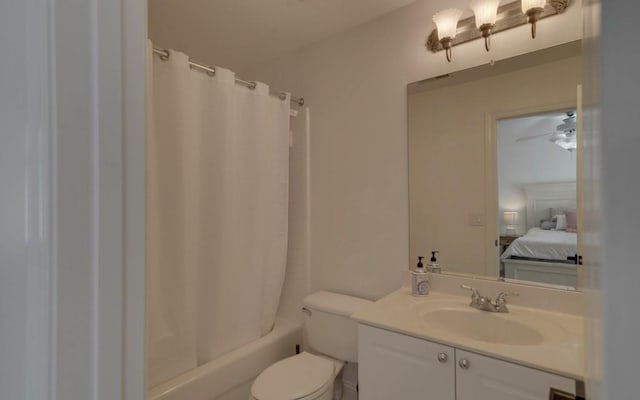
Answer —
564 136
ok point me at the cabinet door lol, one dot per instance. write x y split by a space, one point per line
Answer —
392 366
483 377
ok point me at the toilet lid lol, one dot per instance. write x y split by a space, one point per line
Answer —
293 378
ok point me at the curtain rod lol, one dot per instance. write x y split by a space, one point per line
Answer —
165 54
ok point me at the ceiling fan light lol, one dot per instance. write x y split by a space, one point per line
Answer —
567 143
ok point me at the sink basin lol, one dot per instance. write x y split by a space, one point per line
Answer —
484 326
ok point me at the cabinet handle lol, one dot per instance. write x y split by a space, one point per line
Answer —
464 363
442 358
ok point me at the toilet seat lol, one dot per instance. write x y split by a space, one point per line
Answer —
299 377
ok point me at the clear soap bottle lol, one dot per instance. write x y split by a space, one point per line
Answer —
419 280
433 265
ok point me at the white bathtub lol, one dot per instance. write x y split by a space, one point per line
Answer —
230 376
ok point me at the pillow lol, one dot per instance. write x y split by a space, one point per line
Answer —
572 220
554 211
561 222
547 225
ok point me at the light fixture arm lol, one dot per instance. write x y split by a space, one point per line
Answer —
533 15
446 45
486 34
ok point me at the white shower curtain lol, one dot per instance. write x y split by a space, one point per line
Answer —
217 206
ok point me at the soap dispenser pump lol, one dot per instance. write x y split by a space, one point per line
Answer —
419 279
434 266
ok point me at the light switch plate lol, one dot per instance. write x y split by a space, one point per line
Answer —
476 220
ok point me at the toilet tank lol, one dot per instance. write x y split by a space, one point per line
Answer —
328 327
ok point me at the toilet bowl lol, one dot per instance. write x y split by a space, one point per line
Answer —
304 376
332 334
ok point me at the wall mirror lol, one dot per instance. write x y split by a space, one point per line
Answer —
494 168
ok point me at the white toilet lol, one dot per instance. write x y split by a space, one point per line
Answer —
332 335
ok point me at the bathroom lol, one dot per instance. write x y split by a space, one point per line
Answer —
347 171
389 151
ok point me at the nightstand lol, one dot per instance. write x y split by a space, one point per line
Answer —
505 241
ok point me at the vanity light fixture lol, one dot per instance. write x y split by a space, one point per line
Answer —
486 13
488 19
447 26
533 9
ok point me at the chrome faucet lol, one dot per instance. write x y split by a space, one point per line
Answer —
485 303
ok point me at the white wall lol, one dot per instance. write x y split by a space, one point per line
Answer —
531 161
356 85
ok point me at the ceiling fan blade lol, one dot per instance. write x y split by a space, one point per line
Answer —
568 123
523 139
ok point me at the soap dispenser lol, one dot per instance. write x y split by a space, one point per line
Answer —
419 280
434 266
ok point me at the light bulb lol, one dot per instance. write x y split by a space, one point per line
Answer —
530 4
486 13
447 26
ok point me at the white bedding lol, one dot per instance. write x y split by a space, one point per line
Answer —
544 245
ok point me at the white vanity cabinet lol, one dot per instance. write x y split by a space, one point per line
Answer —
395 367
479 377
400 367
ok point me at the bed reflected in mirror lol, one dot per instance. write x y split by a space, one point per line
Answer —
537 218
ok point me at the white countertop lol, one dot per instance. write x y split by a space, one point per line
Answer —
561 351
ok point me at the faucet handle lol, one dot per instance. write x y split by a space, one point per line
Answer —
474 292
502 295
501 301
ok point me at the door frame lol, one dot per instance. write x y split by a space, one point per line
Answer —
491 173
86 199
